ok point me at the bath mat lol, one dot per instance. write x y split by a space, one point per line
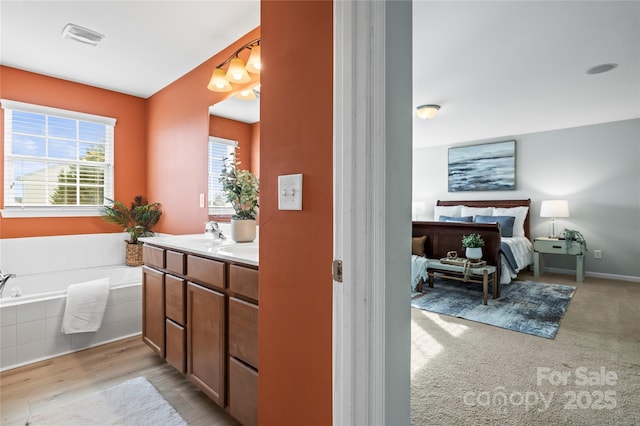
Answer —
525 306
134 402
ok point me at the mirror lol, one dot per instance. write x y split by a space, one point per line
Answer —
222 144
237 109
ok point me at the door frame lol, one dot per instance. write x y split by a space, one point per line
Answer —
370 380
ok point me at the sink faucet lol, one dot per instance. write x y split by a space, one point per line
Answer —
3 280
213 229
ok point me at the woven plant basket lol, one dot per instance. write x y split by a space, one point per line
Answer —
134 254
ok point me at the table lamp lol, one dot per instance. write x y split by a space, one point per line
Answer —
554 209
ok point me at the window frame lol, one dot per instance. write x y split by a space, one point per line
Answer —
10 211
227 210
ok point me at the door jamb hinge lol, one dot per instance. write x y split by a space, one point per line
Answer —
336 270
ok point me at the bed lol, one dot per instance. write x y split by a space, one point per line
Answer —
510 253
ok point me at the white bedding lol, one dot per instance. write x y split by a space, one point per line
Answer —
522 250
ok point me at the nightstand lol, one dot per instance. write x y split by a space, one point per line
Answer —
556 246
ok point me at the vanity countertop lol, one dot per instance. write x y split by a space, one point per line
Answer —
207 246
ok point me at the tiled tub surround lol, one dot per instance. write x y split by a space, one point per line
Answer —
30 324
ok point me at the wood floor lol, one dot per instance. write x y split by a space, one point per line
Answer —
41 387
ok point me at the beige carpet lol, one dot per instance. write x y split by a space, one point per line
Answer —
466 373
134 402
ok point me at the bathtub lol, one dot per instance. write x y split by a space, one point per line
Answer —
30 324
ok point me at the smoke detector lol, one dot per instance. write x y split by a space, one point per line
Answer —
81 34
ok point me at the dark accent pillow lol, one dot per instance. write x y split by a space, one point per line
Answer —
417 245
506 223
456 219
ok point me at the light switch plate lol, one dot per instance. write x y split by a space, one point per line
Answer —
290 192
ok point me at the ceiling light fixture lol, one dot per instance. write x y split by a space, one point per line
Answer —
599 69
427 111
81 34
237 71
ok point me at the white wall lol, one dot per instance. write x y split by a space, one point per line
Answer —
596 168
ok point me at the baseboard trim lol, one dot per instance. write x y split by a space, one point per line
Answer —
615 277
59 354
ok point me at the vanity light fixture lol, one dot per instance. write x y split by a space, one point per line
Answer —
81 34
247 94
237 71
427 111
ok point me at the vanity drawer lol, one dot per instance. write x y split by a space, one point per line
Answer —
243 331
176 341
243 393
153 256
243 281
175 262
175 289
206 271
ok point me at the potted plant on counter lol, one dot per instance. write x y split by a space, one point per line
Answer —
473 244
241 188
136 220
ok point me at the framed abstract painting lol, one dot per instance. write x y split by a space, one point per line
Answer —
483 167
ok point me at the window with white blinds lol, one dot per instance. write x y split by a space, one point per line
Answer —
56 160
219 149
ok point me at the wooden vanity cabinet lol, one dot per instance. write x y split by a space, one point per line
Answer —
201 315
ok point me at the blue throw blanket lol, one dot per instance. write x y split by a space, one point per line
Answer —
418 270
508 254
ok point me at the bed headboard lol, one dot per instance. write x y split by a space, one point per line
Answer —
495 203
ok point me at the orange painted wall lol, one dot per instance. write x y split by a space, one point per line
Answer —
295 385
129 152
255 149
234 130
177 144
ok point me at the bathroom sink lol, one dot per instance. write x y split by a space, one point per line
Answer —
242 250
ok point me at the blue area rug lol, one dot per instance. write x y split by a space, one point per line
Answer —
525 306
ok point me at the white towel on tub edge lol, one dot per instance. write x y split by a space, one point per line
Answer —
85 306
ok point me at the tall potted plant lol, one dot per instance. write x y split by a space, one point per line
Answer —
136 220
241 189
473 244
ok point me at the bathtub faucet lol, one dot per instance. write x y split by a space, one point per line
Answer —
3 280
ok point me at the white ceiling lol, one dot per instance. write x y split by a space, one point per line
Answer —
497 68
148 44
505 68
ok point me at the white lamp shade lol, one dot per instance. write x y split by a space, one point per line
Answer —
554 208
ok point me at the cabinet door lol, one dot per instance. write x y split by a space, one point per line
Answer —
153 309
206 341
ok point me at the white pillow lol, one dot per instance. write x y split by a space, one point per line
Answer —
474 211
451 211
520 213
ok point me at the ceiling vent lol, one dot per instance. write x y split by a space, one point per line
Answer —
81 34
